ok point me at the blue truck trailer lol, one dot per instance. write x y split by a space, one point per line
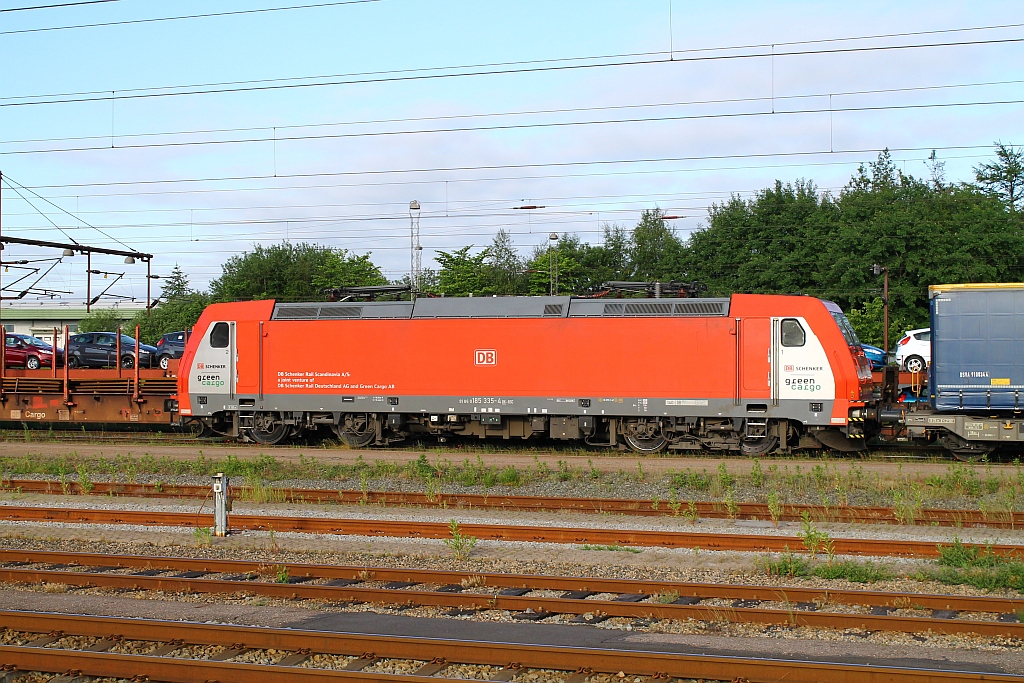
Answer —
977 347
976 375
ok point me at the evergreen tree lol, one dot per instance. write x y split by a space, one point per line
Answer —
504 267
1004 177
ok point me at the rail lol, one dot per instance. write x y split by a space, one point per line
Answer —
362 651
494 532
620 506
590 599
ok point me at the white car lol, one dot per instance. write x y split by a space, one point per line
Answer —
914 350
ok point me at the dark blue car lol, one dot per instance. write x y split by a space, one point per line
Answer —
876 356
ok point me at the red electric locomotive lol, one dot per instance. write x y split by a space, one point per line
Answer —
751 373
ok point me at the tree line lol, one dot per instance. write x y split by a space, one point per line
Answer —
789 238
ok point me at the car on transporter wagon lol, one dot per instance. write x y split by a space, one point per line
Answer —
914 350
24 350
99 350
170 347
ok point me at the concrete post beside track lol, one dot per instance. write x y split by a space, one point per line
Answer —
221 504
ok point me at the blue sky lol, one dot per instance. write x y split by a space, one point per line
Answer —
352 190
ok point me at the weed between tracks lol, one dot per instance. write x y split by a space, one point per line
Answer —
830 485
614 548
979 567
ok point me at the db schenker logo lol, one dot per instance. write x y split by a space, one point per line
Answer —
485 357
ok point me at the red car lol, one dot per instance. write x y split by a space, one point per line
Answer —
24 350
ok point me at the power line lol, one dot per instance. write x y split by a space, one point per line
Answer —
63 4
550 176
352 79
537 165
534 112
528 62
186 16
521 126
9 182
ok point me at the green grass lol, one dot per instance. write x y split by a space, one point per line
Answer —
976 566
858 572
787 565
615 548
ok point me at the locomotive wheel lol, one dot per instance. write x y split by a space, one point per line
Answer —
651 445
760 446
198 429
356 431
269 430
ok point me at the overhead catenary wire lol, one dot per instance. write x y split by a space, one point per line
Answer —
11 183
564 176
775 112
519 166
61 5
355 79
177 18
534 112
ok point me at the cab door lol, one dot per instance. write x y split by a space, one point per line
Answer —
213 368
756 368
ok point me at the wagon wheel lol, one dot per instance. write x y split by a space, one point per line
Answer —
964 450
973 454
356 431
269 429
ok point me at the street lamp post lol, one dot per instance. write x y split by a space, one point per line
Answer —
415 249
884 270
551 263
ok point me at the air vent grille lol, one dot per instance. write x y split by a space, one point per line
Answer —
341 311
297 313
698 307
553 310
648 309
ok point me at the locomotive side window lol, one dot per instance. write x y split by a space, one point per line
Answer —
792 333
220 336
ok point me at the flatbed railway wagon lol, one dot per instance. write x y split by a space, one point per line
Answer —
750 374
109 398
976 376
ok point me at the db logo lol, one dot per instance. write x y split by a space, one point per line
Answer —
788 368
485 357
200 366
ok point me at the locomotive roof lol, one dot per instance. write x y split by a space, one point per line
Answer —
503 307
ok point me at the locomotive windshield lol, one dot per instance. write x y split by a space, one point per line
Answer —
847 328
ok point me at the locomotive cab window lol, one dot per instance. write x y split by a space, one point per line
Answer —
220 336
793 333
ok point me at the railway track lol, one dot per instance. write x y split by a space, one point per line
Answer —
589 600
621 506
494 532
188 652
